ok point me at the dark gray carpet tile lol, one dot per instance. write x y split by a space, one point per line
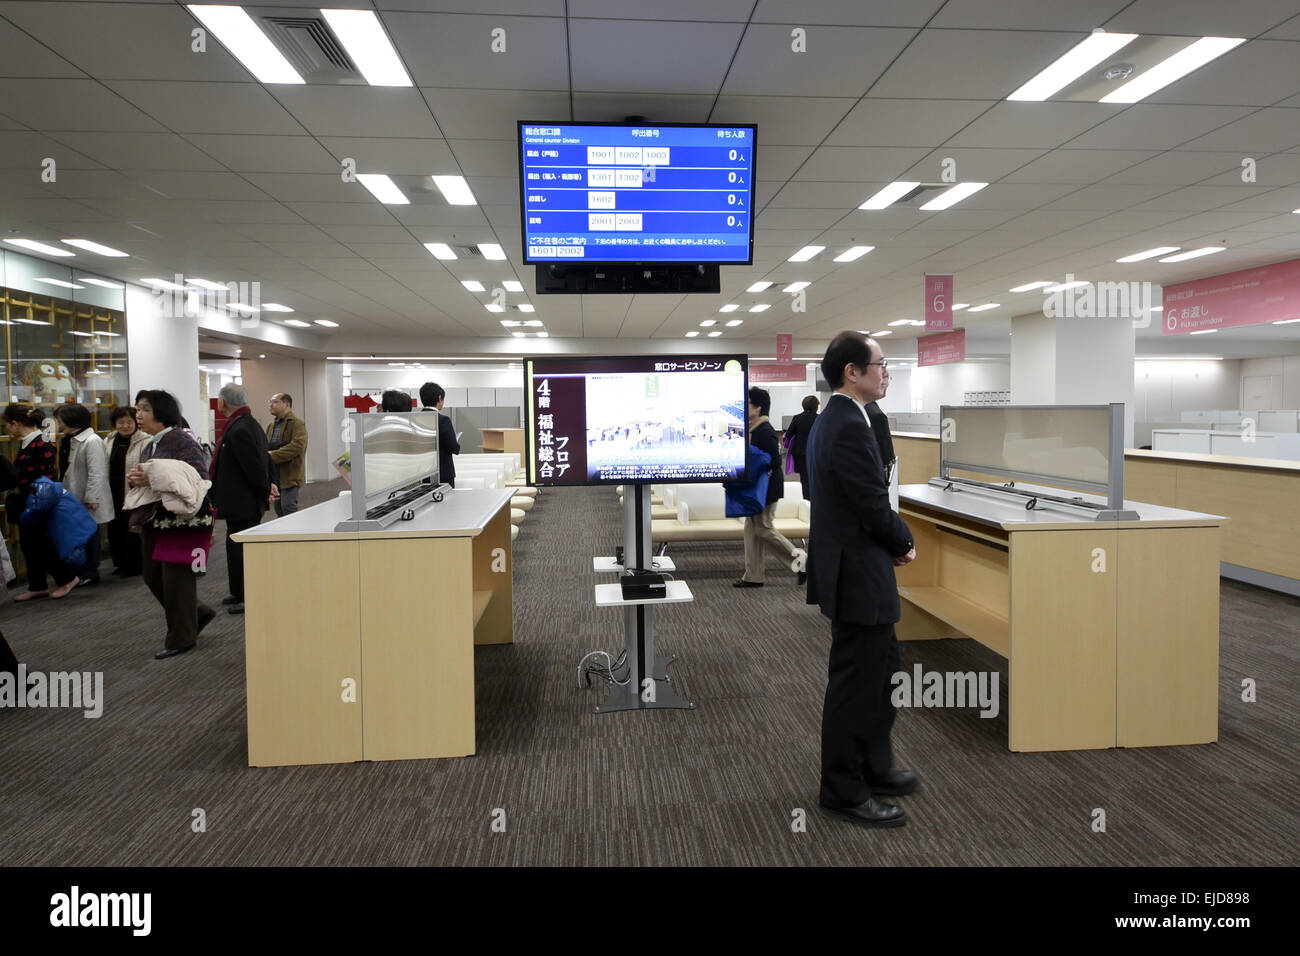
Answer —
713 786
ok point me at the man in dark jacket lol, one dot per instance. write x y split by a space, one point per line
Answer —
432 395
856 541
758 528
801 427
241 482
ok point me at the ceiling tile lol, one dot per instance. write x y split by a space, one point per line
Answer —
1081 15
843 61
359 111
27 151
614 107
454 50
56 104
267 154
1176 168
898 122
783 121
867 13
650 56
209 107
1078 165
1043 125
23 58
859 165
991 63
1258 73
1202 18
395 157
972 165
1154 126
310 187
139 150
1265 131
491 114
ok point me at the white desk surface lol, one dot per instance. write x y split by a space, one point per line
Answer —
611 595
657 563
461 514
987 508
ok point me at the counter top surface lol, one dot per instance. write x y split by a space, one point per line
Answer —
462 513
988 508
1280 464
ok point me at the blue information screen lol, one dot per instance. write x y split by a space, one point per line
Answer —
636 194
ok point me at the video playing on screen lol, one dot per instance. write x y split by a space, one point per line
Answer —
598 421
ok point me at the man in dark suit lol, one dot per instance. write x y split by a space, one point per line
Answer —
801 427
241 482
855 543
432 395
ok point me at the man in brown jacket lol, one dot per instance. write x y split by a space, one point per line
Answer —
286 438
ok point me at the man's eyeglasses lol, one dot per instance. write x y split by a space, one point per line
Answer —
883 363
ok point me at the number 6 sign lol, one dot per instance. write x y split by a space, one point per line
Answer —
938 303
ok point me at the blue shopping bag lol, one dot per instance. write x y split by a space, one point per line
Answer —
748 496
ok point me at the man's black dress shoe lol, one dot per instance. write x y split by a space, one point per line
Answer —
871 813
897 783
171 652
230 599
742 583
236 608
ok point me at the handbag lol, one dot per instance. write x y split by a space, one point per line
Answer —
749 496
165 522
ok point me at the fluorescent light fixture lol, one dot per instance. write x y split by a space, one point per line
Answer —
796 286
383 189
952 196
473 285
513 285
275 307
96 248
1203 332
986 306
61 282
1180 358
735 322
543 335
116 335
902 322
298 323
1194 254
708 322
104 283
761 307
714 335
1030 286
246 309
729 307
368 45
526 307
493 307
246 41
31 322
957 307
534 323
759 287
455 190
510 323
207 284
1150 253
806 253
884 332
491 250
889 195
84 335
35 246
1062 286
1285 321
440 250
327 323
922 321
1186 60
164 284
519 335
691 335
1083 57
851 255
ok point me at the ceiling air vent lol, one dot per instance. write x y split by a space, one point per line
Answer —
922 194
469 252
310 45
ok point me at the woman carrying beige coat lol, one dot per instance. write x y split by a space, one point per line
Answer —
86 478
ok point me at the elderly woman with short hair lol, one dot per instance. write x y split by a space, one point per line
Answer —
122 449
85 476
171 545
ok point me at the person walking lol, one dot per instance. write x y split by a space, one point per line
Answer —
432 395
35 459
856 542
286 439
122 449
171 544
241 483
797 436
759 529
86 478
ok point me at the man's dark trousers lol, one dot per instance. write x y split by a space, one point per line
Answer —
235 555
858 713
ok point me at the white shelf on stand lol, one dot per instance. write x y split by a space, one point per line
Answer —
609 564
611 595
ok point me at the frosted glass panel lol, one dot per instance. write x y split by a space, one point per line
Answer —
1054 444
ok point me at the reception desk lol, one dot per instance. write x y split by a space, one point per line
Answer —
360 645
1110 629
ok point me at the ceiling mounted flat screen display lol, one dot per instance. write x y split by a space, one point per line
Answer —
597 421
652 194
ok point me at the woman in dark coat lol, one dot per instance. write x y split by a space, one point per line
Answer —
35 459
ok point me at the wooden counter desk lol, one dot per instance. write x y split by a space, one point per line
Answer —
1110 629
360 645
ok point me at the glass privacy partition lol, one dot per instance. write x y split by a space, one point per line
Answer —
1076 447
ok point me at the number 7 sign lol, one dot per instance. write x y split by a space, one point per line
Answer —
938 303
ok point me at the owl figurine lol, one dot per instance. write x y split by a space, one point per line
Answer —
54 382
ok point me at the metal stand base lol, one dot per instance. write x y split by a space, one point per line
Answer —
626 697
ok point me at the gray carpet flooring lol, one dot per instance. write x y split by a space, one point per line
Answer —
720 785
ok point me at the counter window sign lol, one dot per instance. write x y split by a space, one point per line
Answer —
615 193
